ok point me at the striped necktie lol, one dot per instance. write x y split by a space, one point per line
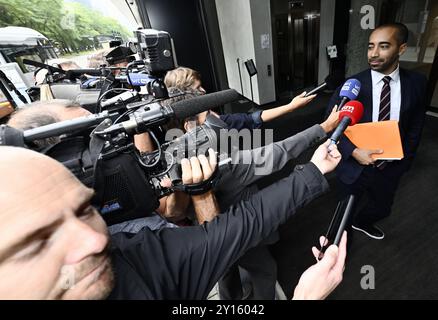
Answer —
384 111
385 100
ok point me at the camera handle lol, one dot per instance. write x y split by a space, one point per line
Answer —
195 189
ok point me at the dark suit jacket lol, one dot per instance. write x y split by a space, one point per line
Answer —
412 114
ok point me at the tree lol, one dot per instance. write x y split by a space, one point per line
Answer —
49 18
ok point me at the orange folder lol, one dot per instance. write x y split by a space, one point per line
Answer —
384 135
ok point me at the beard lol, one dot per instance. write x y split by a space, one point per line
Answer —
383 65
92 279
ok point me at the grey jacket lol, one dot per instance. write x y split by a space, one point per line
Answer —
248 166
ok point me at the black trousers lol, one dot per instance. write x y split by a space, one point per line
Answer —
262 270
380 187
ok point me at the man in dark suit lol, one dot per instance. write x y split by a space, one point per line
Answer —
388 92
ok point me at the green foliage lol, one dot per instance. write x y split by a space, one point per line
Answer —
69 25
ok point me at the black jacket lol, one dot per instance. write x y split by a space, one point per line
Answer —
185 263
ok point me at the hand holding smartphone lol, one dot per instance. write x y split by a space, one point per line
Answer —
337 224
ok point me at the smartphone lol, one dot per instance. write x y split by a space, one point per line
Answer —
338 223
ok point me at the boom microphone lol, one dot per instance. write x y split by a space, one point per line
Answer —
350 114
187 108
349 91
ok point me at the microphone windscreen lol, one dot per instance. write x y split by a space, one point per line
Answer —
353 110
350 89
190 107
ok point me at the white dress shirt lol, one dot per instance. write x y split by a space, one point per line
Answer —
377 81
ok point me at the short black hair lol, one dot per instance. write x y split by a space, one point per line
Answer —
402 31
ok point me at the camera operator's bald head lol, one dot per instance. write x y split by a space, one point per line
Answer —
58 109
53 243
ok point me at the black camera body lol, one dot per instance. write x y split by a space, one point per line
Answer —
99 149
157 50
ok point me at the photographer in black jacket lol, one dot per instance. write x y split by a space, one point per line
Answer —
52 237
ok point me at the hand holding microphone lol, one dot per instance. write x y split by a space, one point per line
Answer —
332 121
326 157
349 115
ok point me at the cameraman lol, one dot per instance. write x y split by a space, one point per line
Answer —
38 114
58 243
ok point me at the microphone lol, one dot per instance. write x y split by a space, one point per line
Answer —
187 108
349 115
349 91
139 79
155 114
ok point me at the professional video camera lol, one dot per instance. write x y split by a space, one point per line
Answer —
127 183
155 56
99 149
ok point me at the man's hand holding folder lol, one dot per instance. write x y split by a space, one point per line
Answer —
375 141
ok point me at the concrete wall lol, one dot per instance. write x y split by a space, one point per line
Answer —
241 24
327 23
358 37
264 57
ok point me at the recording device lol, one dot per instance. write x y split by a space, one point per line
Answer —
316 90
337 225
157 50
350 114
192 144
99 149
127 182
331 82
349 91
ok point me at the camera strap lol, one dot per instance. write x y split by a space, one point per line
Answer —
195 189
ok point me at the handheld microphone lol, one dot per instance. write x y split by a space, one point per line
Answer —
349 91
139 79
349 115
